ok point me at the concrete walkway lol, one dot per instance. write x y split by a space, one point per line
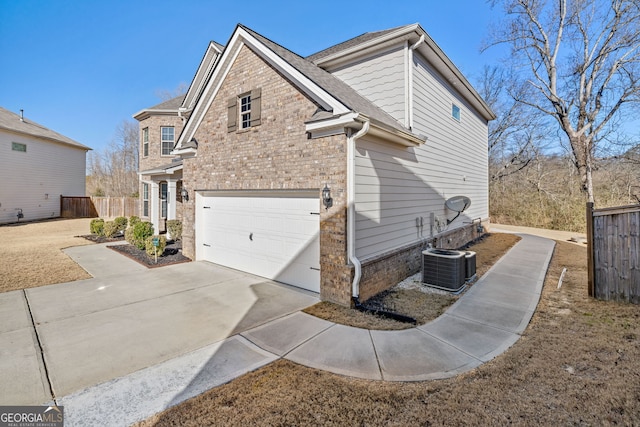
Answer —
482 324
485 322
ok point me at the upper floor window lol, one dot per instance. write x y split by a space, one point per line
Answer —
16 146
145 142
244 111
167 139
455 112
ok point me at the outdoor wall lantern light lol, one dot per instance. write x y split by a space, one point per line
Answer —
185 194
327 201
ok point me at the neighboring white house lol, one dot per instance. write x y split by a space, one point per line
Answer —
37 166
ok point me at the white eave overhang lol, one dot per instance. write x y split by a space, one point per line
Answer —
185 152
164 170
393 38
145 114
380 131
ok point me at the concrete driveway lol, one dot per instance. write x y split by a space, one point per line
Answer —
63 338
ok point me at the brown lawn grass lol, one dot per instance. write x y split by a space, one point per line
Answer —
578 363
31 253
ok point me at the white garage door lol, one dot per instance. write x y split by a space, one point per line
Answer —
273 235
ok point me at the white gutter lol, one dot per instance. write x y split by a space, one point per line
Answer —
409 97
351 208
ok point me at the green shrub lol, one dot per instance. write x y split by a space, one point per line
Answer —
110 229
151 250
175 229
139 234
133 220
128 235
121 222
97 226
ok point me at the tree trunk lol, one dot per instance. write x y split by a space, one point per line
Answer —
582 152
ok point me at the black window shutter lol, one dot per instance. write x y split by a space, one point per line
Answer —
232 115
256 108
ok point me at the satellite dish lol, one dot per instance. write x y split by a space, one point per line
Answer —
458 203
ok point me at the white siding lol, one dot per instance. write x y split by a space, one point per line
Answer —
395 184
380 79
33 181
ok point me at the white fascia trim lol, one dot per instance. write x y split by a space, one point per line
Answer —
204 70
166 171
340 121
199 111
240 38
470 94
334 125
143 114
373 43
326 100
184 152
405 33
356 121
396 136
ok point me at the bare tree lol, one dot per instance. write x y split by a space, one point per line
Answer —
516 134
166 95
581 62
114 171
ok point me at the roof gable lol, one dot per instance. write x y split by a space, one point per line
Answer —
14 123
331 93
412 35
211 55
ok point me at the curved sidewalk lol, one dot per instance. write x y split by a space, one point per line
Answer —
482 324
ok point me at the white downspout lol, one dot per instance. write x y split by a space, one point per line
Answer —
407 88
351 208
410 82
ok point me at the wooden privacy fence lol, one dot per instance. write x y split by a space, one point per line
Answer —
77 207
613 236
111 207
103 207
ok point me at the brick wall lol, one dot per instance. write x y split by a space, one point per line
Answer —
155 157
154 122
275 155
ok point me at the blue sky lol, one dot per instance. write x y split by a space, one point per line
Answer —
81 67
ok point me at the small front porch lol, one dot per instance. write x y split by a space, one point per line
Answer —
161 199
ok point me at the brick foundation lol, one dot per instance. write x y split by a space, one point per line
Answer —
387 270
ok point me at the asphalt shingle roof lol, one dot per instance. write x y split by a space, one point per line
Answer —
171 104
348 43
11 122
330 83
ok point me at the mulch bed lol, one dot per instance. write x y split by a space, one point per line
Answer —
172 252
101 239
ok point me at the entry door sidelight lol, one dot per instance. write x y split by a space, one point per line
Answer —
164 194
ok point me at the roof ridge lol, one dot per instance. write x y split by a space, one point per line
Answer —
369 35
13 122
255 33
